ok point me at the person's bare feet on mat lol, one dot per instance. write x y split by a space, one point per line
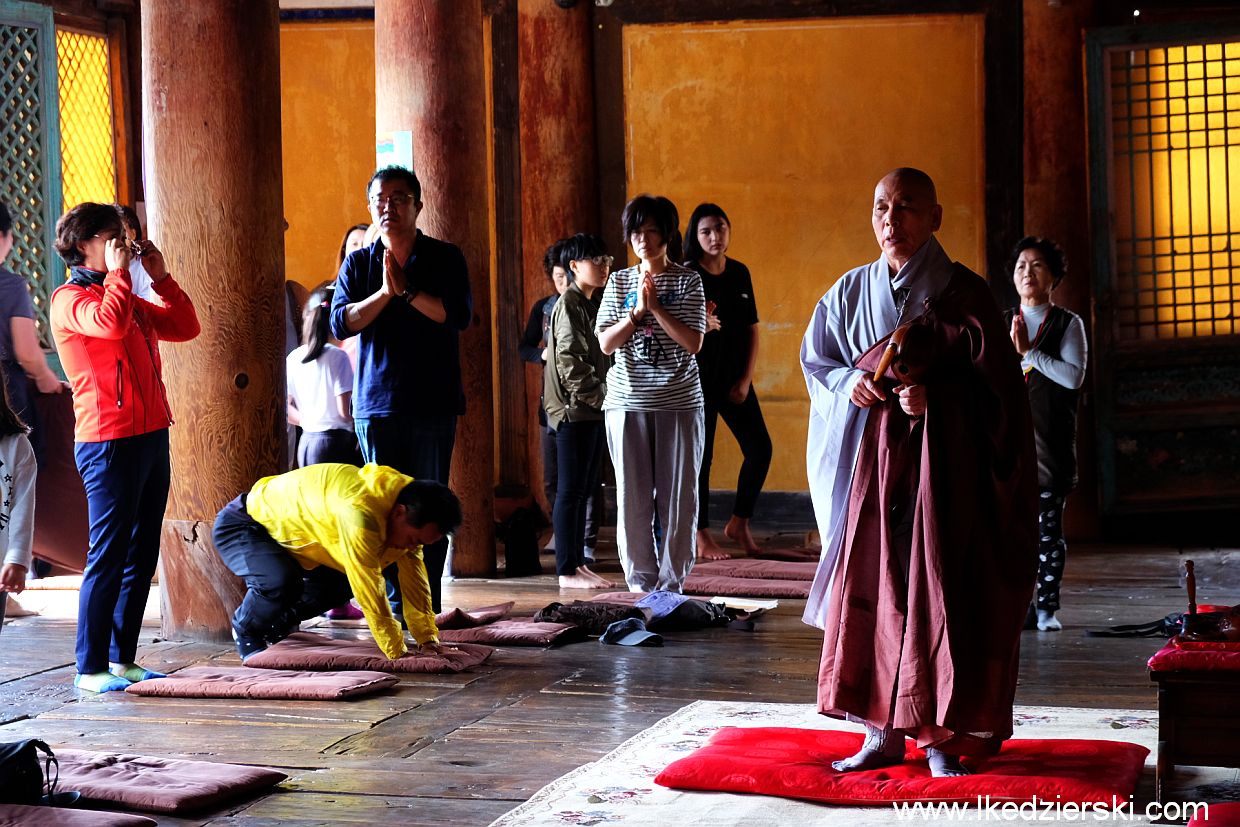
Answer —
707 548
582 580
737 530
602 581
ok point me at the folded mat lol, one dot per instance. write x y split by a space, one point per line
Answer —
245 682
757 569
743 587
159 785
796 763
27 816
516 632
795 555
469 618
306 650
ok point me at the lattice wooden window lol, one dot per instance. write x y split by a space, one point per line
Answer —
29 147
87 145
1175 123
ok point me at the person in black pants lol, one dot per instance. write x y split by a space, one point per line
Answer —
726 366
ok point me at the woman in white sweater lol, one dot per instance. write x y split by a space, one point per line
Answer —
17 477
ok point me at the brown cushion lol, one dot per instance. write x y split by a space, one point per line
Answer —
757 569
469 618
306 650
27 816
159 785
517 632
244 682
740 587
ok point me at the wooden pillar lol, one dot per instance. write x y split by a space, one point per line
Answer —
1057 191
429 79
211 130
559 168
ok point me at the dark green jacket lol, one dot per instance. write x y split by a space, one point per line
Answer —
574 381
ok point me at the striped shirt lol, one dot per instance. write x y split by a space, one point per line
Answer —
652 372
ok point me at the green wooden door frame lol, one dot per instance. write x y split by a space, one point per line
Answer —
39 18
1153 389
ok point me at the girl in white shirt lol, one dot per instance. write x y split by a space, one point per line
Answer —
320 390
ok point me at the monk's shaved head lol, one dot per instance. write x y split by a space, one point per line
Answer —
906 214
914 178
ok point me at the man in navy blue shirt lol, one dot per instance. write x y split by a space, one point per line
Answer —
407 298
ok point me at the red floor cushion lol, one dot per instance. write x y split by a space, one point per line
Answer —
1196 656
627 598
159 785
743 587
796 763
269 684
516 632
306 650
757 569
796 555
469 618
12 815
1218 815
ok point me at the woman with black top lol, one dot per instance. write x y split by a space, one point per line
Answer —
726 365
1053 350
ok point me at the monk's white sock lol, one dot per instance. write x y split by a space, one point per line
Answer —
943 765
881 748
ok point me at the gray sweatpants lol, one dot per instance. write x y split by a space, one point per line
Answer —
657 455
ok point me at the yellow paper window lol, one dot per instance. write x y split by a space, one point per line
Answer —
87 147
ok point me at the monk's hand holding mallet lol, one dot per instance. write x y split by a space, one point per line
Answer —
867 392
912 399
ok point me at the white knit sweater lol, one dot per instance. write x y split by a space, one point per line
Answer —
17 478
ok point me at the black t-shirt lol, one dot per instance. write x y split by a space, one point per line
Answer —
725 352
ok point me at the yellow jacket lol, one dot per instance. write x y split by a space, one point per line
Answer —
336 516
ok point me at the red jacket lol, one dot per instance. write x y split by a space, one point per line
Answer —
108 340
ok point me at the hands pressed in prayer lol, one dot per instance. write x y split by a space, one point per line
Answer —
867 392
912 399
393 276
1020 334
712 321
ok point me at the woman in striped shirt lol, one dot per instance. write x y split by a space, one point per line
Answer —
653 318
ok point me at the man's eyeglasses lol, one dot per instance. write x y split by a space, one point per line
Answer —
398 199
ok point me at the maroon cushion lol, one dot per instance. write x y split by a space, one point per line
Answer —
1218 815
1196 656
306 650
27 816
796 555
245 682
757 569
469 618
158 785
517 632
796 763
741 587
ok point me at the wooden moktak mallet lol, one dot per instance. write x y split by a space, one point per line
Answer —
908 352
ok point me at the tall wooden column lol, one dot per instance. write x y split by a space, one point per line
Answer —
429 79
1057 190
211 131
559 167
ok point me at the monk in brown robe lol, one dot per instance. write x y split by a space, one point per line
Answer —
939 550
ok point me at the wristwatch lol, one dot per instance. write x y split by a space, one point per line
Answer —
409 295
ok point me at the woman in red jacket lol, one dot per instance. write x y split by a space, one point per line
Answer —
108 340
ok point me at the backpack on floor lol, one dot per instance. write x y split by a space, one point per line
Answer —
25 778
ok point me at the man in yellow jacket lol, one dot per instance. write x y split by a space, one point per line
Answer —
307 540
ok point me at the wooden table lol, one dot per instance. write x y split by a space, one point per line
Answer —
1198 722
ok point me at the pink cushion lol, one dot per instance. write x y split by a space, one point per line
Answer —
1196 656
158 785
796 763
627 598
740 587
517 632
26 816
757 569
469 618
306 650
245 682
1219 815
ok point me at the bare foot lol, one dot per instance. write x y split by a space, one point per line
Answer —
867 759
707 548
605 583
582 580
737 530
